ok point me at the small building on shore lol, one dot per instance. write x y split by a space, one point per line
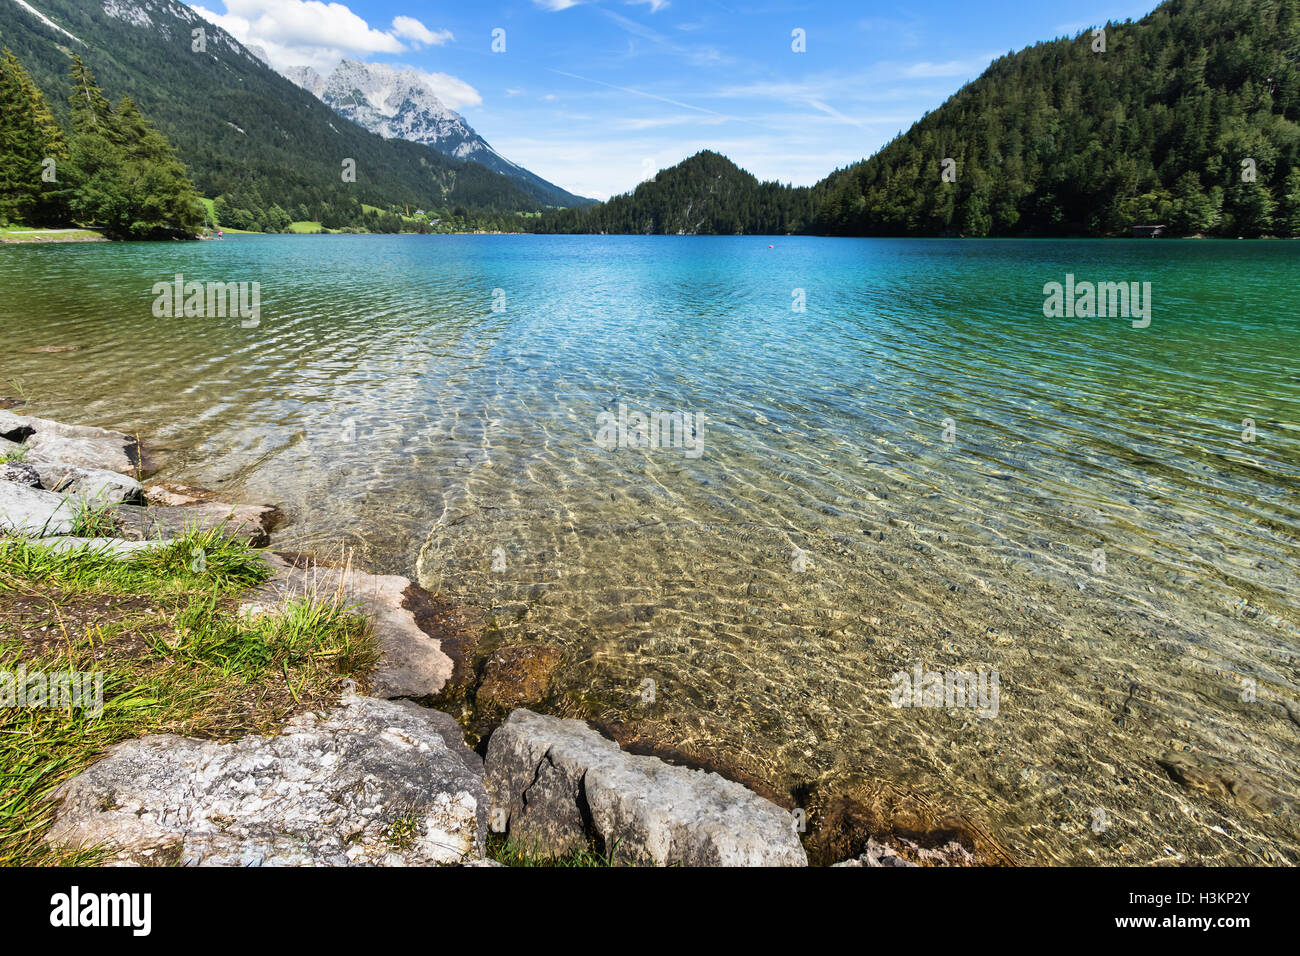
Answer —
1149 232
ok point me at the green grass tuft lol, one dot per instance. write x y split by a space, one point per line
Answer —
513 853
164 629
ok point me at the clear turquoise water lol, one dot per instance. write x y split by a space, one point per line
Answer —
828 536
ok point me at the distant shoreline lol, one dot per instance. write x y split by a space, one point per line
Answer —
18 236
30 236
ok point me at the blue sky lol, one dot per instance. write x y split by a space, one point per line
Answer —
595 95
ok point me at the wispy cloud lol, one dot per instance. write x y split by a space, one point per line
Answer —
696 55
951 68
646 94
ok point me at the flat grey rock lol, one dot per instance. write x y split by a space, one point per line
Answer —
81 445
413 663
31 511
551 778
382 783
20 473
98 485
250 523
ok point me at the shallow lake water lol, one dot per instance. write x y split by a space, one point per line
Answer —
898 462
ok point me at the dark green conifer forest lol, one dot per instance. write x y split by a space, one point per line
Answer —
1189 117
113 170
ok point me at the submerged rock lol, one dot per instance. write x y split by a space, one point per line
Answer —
175 494
878 854
375 782
413 662
556 782
517 675
1222 779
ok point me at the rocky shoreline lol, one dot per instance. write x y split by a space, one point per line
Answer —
380 779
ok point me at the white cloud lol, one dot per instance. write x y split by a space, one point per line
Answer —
415 31
454 93
315 33
555 6
971 67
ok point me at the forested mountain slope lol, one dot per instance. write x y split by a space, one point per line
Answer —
1064 137
242 128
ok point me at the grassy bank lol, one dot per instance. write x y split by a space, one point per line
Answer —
27 234
163 628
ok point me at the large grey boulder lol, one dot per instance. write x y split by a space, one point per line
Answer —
413 663
97 485
551 779
81 445
31 511
375 782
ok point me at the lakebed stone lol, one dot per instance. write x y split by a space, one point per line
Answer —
1222 779
517 675
556 782
373 782
878 854
174 493
413 662
881 854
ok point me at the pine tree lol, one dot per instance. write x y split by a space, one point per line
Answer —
91 111
31 149
1288 218
124 174
161 197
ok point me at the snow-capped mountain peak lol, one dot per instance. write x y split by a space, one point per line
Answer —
396 104
400 104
